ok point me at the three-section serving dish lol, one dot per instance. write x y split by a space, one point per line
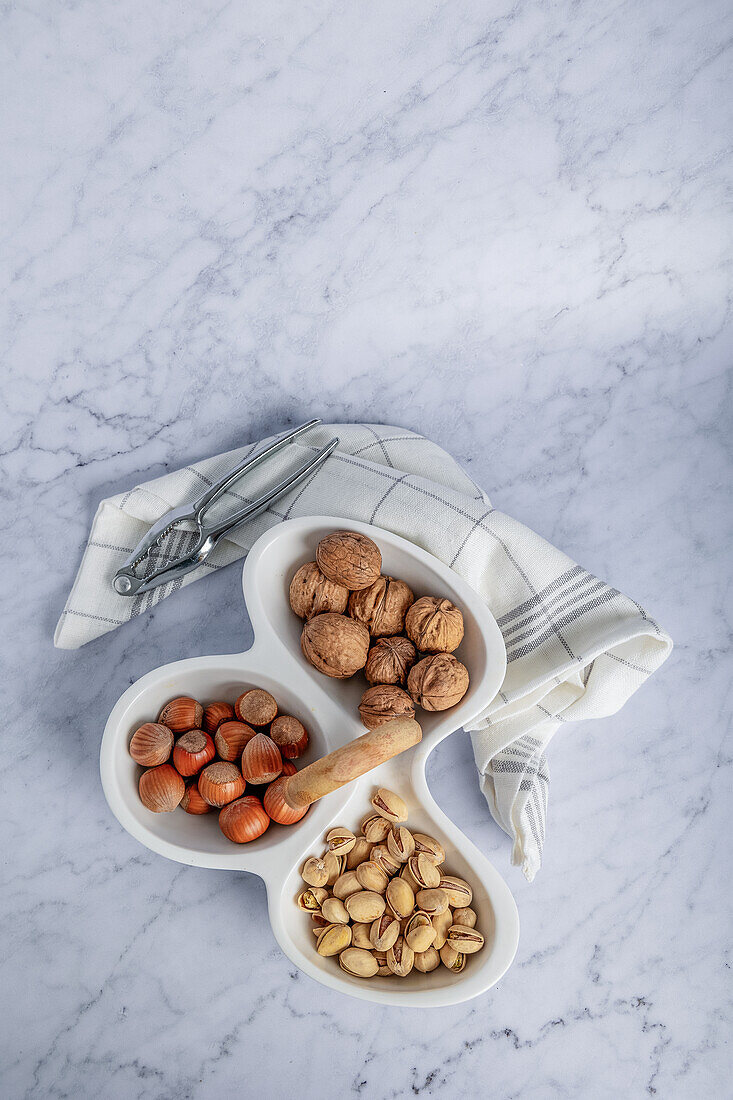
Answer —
329 710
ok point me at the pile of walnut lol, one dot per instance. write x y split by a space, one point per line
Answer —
205 758
356 618
382 901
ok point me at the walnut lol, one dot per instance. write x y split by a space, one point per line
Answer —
434 625
382 703
389 661
382 606
311 593
335 645
349 558
438 682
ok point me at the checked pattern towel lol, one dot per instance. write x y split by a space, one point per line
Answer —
576 648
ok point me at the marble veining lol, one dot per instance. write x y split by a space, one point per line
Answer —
503 226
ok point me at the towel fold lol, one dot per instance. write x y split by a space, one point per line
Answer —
576 648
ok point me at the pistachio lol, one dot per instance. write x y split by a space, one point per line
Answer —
334 939
400 898
441 923
360 935
389 805
340 841
432 901
400 844
381 960
430 846
365 906
310 900
346 884
419 933
423 871
334 866
314 872
334 911
459 892
358 962
358 854
375 828
451 958
428 960
464 940
409 878
372 877
466 917
319 921
400 958
384 932
381 856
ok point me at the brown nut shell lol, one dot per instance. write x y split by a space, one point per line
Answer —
276 806
215 714
161 789
151 744
438 682
192 802
350 559
220 783
181 714
243 820
335 645
382 703
312 593
434 625
231 737
382 606
261 760
389 661
290 736
192 752
256 707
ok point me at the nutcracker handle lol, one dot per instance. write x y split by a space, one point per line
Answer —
350 761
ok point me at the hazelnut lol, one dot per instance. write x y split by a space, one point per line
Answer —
382 606
243 820
335 645
390 660
215 714
256 707
434 625
382 703
438 682
261 760
161 789
290 736
182 714
220 783
276 806
151 744
350 559
192 752
192 802
311 593
230 739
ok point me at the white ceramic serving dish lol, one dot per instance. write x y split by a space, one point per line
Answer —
329 710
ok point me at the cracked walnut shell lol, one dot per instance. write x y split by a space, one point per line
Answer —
390 660
382 703
335 645
434 625
382 606
311 593
350 559
438 682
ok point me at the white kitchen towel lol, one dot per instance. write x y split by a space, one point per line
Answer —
576 648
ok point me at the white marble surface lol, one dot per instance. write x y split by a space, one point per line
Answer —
501 225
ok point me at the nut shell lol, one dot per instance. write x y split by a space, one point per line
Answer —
244 820
192 752
231 737
335 645
390 660
192 802
434 625
151 744
438 682
261 760
350 559
358 962
383 702
161 789
290 736
181 714
382 606
220 783
215 714
312 593
256 707
276 806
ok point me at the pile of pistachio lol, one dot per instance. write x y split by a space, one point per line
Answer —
382 902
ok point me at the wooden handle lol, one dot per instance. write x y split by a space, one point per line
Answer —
350 761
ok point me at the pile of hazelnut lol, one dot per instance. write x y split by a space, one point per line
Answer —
205 758
356 618
382 901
